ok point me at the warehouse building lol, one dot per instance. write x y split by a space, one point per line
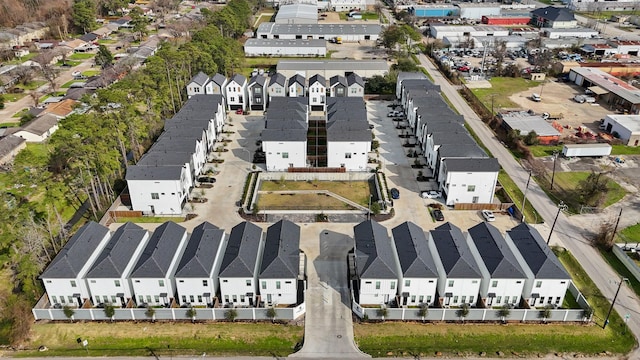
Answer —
584 33
291 48
524 123
451 31
611 90
627 128
505 20
297 14
330 68
347 32
476 11
434 11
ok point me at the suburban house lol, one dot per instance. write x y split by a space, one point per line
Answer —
197 84
277 86
280 265
236 92
158 189
239 270
338 86
553 17
419 276
152 276
64 278
257 90
355 85
284 139
196 276
376 263
217 85
348 134
39 129
108 277
459 275
317 93
547 280
10 146
503 277
468 180
296 86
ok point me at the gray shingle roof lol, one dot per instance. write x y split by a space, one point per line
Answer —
347 119
495 253
414 255
164 158
242 251
338 79
218 79
443 127
10 143
354 78
201 251
162 247
461 151
239 79
297 78
281 256
286 120
200 79
461 137
278 79
317 78
117 254
373 251
473 165
40 125
76 252
410 75
455 255
136 172
541 260
258 80
554 13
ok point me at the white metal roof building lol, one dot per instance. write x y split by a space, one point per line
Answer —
526 123
297 14
478 10
275 47
611 89
348 32
557 33
452 31
627 127
329 68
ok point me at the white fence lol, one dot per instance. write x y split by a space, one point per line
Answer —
627 261
202 314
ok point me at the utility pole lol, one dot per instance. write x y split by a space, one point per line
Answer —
560 207
555 158
615 229
606 320
524 197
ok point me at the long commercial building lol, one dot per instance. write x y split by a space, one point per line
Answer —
347 32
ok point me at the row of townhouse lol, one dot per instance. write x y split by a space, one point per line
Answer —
255 93
463 171
446 268
339 138
162 179
172 267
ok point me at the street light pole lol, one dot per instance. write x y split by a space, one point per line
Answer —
560 206
524 197
606 320
553 175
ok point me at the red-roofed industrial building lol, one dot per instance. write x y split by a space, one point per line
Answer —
506 20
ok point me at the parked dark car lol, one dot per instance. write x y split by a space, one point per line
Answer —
207 179
438 215
395 193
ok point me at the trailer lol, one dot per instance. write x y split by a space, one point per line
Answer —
577 150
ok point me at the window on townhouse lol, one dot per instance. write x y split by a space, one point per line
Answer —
73 283
248 282
471 299
117 283
421 298
257 90
377 285
232 99
455 299
285 155
155 196
54 299
234 298
205 282
199 298
184 299
226 298
347 155
538 284
62 300
393 285
161 283
450 284
241 298
429 298
407 283
494 283
113 299
264 285
471 188
413 298
498 299
277 285
148 298
140 300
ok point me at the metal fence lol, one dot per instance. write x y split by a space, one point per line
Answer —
202 314
626 261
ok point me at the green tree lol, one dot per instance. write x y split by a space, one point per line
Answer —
531 138
104 57
139 22
68 312
271 313
392 35
593 188
423 311
150 313
504 312
109 311
191 313
112 7
545 313
84 14
463 312
231 315
406 64
382 312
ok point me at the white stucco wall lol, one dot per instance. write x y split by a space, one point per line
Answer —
194 287
458 184
283 296
317 94
337 154
296 152
369 295
235 290
175 192
421 290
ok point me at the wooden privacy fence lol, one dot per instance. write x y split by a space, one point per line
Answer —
475 206
124 213
316 170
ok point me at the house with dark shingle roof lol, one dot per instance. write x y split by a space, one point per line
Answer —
418 276
317 92
197 84
554 17
338 86
235 91
10 146
468 180
152 276
547 280
296 86
355 85
348 133
503 277
280 265
39 129
284 138
459 274
108 277
197 273
240 265
277 86
257 90
376 262
64 278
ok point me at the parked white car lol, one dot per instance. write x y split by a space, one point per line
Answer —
488 215
431 194
580 99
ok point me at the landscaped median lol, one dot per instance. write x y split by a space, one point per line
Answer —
164 340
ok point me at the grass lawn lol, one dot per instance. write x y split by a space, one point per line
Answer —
107 41
69 83
22 59
631 233
530 213
502 88
71 63
165 339
619 267
544 150
565 189
149 219
20 113
81 56
31 85
605 14
12 97
9 124
263 18
357 191
365 16
90 73
301 201
625 150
